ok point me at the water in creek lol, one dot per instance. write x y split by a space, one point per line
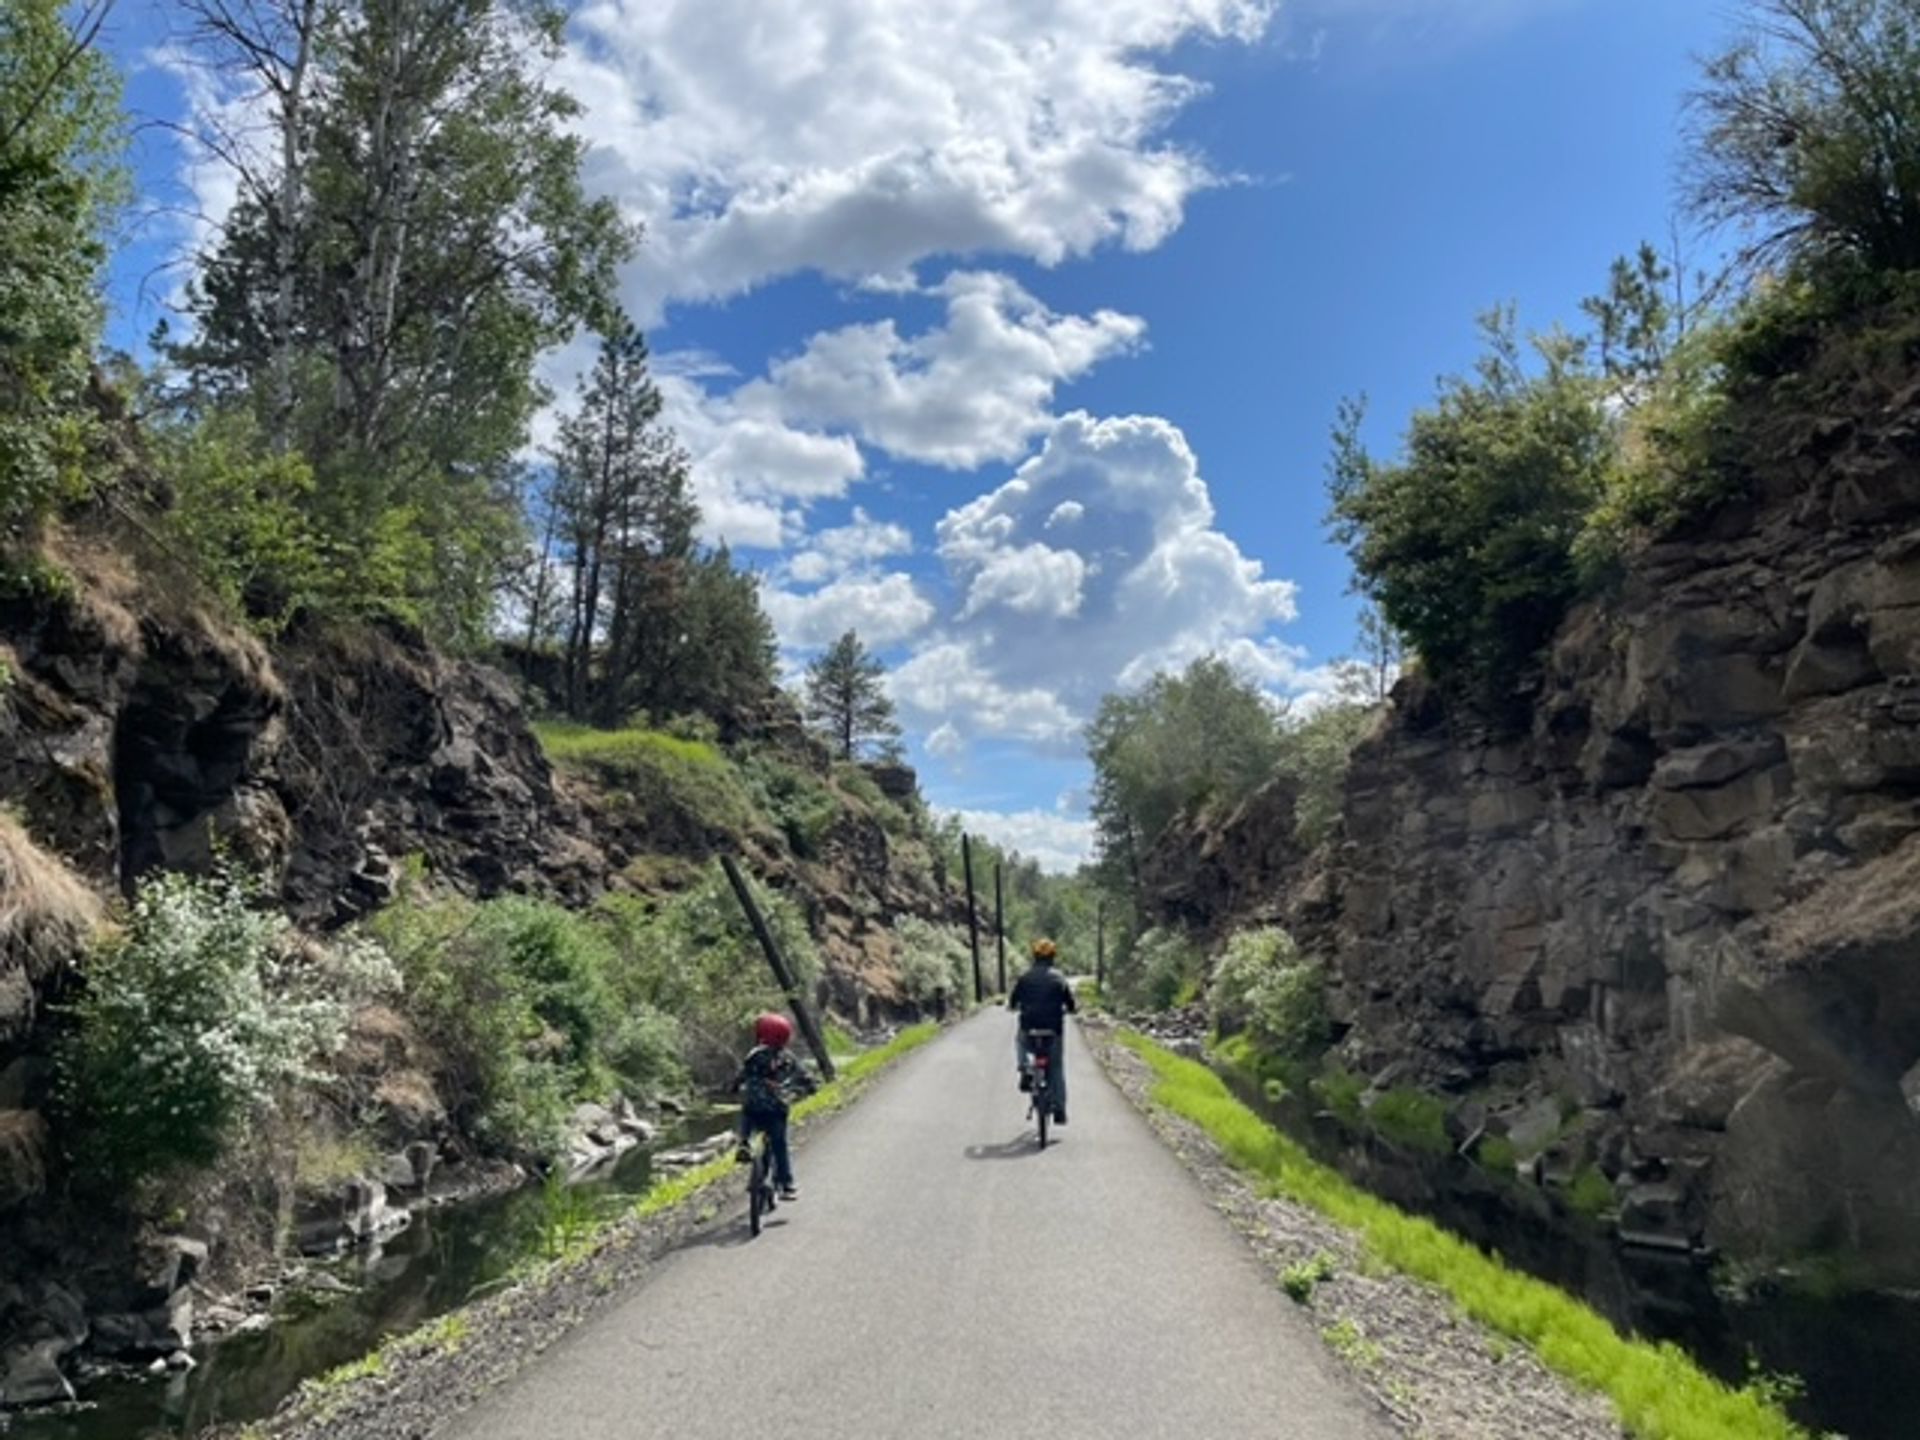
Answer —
1855 1353
444 1258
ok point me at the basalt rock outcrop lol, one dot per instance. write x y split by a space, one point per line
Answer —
1677 912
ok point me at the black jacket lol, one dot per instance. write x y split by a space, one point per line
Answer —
770 1078
1043 998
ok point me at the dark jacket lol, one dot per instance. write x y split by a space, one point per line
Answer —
1043 998
770 1078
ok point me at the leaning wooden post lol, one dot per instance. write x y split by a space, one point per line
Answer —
789 987
1000 928
973 917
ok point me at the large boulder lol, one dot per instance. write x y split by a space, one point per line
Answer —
31 1374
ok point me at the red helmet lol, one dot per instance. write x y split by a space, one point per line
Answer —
774 1030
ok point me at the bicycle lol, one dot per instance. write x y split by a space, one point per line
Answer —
761 1195
1042 1104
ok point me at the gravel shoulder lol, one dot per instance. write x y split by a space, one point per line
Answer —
1438 1374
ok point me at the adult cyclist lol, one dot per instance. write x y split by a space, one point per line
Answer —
1043 999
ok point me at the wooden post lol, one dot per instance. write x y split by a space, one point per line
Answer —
1100 949
789 987
973 917
1000 927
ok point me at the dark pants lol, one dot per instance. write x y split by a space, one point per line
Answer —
774 1123
1023 1050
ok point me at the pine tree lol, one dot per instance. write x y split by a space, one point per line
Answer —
620 492
846 697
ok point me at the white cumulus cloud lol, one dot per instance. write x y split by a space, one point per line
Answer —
885 609
753 474
833 552
1135 579
1059 843
978 387
975 389
859 137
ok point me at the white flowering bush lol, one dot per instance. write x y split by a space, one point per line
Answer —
196 1015
1267 988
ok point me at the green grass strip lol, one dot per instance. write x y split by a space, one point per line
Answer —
1659 1392
566 742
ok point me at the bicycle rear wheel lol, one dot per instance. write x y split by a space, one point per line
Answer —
757 1191
1043 1100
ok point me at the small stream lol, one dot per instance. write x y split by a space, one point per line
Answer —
1857 1354
443 1259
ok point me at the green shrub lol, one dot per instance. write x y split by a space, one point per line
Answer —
1496 1154
1804 137
239 515
195 1016
1674 458
644 1051
1411 1117
1591 1193
936 967
476 1010
1264 986
1339 1089
693 956
1299 1280
1467 542
1150 973
1316 751
562 962
803 807
656 771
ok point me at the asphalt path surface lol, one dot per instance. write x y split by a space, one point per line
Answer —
941 1277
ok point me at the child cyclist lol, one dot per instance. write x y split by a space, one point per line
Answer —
771 1077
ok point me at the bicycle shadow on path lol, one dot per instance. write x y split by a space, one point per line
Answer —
730 1234
1018 1148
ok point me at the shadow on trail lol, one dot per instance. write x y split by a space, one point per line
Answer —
1020 1146
730 1234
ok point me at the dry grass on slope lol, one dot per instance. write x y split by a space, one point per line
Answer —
46 915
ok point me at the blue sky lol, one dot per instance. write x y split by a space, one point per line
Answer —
1009 332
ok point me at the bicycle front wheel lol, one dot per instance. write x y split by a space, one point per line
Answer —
757 1192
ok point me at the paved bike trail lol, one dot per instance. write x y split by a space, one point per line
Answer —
940 1277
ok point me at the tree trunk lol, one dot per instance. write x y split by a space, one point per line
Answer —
537 604
293 145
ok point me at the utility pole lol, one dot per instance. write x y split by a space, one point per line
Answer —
973 917
781 972
1000 927
1100 949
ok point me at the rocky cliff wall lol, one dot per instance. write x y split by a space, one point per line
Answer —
1670 929
140 730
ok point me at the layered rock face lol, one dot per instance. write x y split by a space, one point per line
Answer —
1684 901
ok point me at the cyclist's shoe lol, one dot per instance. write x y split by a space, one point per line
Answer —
743 1152
789 1193
1026 1082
